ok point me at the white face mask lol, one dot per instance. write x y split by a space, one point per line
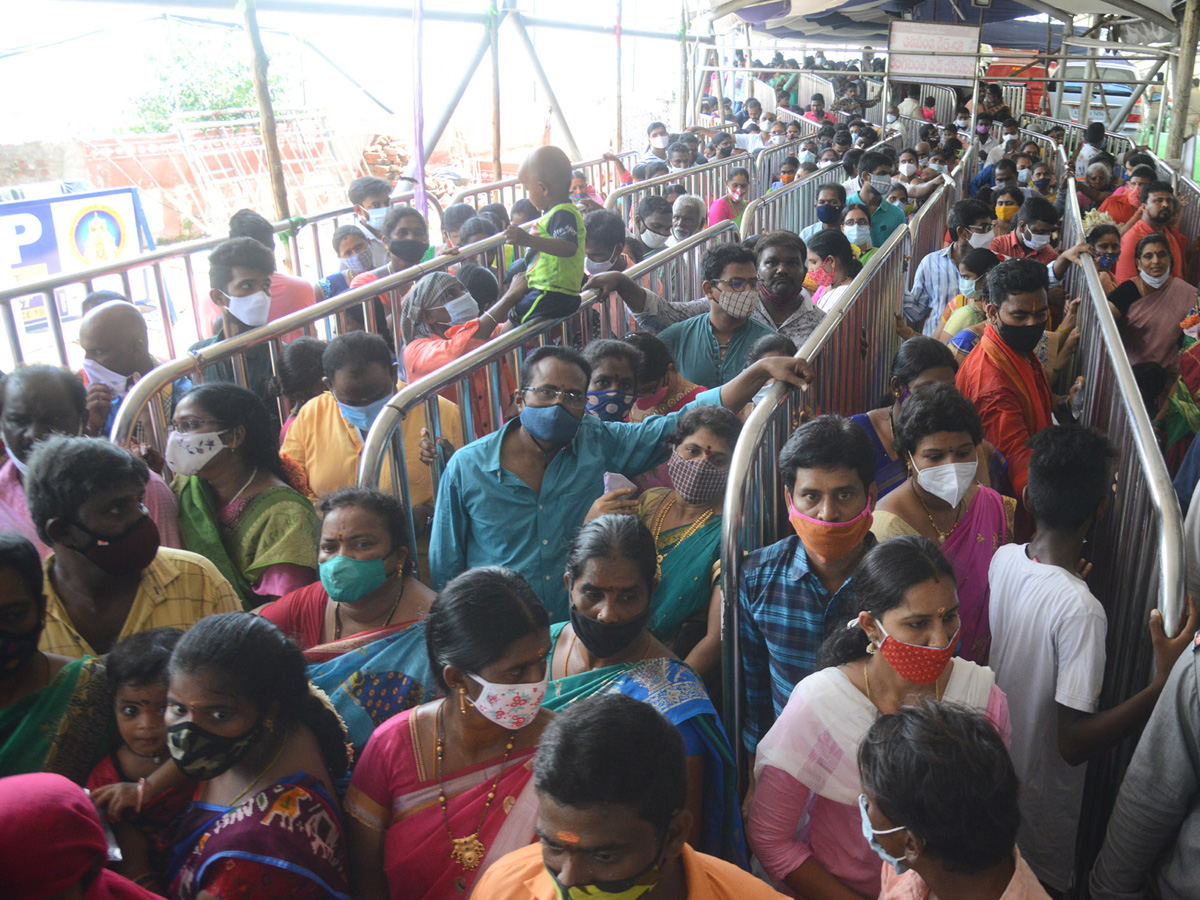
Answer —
949 481
961 123
660 141
462 309
738 304
653 239
1023 176
252 310
891 117
857 234
1155 281
187 454
980 241
825 164
97 373
908 169
1035 241
511 706
595 268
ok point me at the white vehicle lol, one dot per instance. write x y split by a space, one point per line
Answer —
1119 82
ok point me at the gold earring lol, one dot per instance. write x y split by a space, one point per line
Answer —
872 644
462 701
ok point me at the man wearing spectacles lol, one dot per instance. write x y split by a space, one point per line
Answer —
711 348
935 286
516 497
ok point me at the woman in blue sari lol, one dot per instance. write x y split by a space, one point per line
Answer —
607 648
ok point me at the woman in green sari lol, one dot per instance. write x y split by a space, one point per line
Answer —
237 503
55 712
606 648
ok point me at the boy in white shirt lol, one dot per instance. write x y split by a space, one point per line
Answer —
1048 646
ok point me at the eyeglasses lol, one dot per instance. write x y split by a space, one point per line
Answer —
549 395
190 426
739 284
982 227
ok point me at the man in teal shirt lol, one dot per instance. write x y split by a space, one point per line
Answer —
516 497
875 180
711 348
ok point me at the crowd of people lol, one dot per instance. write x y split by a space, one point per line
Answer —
273 682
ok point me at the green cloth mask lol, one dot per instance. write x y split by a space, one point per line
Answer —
348 580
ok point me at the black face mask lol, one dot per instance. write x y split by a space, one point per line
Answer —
1021 338
602 639
410 251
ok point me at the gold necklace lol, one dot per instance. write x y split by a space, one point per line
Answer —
692 529
467 851
942 535
337 611
238 495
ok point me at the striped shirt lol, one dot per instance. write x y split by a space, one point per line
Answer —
935 285
784 615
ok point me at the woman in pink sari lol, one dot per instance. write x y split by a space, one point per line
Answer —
938 435
1149 307
445 789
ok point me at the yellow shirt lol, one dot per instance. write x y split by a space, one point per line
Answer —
177 590
328 447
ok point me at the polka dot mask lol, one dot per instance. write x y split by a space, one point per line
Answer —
914 662
610 406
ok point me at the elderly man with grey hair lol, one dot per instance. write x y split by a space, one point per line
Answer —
688 215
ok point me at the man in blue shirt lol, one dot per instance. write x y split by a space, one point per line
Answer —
516 497
971 224
711 348
795 592
875 180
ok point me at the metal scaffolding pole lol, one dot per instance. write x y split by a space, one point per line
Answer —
1123 113
494 40
540 73
620 102
1183 81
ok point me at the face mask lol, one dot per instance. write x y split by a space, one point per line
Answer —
898 203
981 241
820 276
777 139
1155 281
737 194
17 649
347 580
949 481
652 239
187 454
961 123
1021 338
1008 137
253 310
857 234
1023 176
551 424
628 889
825 164
940 168
660 141
511 706
654 399
738 304
915 663
462 309
126 554
358 263
908 169
605 640
891 117
362 417
697 480
1035 241
828 541
201 755
610 406
595 268
966 287
1006 213
1041 183
808 157
881 183
1106 260
869 833
97 373
21 467
982 129
787 178
674 170
410 251
375 217
828 214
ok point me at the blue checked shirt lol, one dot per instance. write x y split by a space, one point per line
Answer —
784 615
935 285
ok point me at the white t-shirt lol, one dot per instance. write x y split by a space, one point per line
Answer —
1047 649
910 107
1086 152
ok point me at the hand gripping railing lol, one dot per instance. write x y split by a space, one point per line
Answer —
851 353
232 349
706 181
382 443
792 207
311 263
602 174
1137 550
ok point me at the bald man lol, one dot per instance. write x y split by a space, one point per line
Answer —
116 350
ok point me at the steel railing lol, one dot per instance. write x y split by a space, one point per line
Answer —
851 353
716 124
1114 142
602 174
706 181
597 317
766 166
1189 193
1137 551
792 207
169 276
1014 98
945 101
926 232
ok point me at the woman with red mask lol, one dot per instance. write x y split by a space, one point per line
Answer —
896 650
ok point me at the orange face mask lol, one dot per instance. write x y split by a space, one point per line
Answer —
828 541
787 179
1006 213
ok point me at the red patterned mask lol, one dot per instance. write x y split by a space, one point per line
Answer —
696 480
914 662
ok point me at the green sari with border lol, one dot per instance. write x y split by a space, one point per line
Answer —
674 689
685 582
65 728
278 525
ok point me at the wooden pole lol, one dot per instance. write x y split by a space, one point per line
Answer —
494 28
266 112
1184 64
620 105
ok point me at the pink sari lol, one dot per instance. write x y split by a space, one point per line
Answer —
969 548
393 792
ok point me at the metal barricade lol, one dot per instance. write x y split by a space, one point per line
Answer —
716 124
766 167
1014 98
596 317
945 101
792 207
927 230
602 174
1188 193
169 278
1137 551
706 181
851 352
910 130
1114 142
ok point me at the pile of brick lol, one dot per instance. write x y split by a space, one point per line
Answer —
386 157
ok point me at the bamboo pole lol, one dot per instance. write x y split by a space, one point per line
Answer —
1183 82
266 112
494 28
620 104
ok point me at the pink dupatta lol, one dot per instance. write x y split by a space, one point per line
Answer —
969 548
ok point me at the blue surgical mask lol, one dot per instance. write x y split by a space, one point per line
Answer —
550 424
362 417
462 309
612 406
966 287
808 156
869 833
1023 175
375 217
857 234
